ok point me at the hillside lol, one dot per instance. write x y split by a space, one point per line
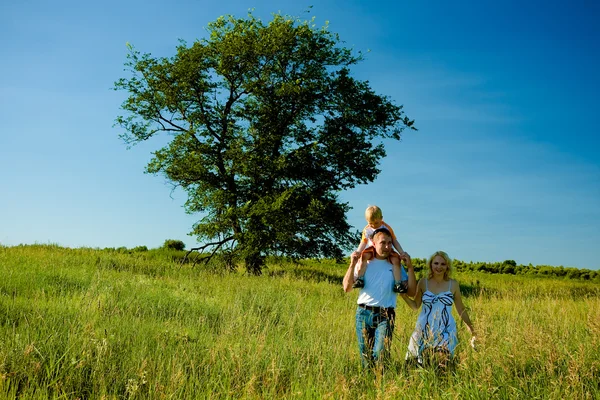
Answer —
85 323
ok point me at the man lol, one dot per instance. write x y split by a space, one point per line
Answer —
375 314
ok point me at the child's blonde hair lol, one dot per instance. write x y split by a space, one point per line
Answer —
446 258
373 213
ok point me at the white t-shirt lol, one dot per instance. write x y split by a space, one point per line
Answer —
368 232
379 282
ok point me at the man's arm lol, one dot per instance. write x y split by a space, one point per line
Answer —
410 270
419 296
349 277
411 303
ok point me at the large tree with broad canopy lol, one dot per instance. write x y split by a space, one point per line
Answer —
267 126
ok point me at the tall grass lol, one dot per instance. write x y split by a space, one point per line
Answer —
84 323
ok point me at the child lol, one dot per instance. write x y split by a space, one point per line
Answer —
365 250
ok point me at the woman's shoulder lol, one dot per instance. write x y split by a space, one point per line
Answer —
454 285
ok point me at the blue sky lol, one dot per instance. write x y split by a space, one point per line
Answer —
505 96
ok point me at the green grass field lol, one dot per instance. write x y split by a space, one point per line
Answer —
94 324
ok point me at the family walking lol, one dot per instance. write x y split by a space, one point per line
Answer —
376 268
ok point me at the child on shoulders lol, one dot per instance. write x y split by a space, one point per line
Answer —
366 251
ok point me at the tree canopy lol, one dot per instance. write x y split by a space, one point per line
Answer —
267 126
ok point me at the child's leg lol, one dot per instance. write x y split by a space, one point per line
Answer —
354 258
362 268
396 268
400 284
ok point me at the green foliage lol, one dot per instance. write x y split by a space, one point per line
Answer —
268 126
512 268
84 323
173 244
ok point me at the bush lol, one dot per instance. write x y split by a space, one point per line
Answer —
174 244
508 269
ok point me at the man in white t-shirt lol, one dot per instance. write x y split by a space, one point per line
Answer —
375 315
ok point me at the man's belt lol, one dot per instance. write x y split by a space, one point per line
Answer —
376 309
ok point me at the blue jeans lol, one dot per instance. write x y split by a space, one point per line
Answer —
374 331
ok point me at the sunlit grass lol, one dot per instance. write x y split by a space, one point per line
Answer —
86 323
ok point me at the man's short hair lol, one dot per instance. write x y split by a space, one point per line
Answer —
381 230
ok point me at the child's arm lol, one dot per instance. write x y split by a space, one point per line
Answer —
361 246
397 246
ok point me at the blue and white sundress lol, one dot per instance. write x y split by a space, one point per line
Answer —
435 327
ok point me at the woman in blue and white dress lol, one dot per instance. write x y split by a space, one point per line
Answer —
435 332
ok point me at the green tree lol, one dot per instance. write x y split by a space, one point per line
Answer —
173 244
508 267
267 127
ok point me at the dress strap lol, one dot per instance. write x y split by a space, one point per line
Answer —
426 284
450 285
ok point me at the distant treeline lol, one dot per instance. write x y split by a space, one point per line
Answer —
174 250
510 267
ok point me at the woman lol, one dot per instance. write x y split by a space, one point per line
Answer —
434 337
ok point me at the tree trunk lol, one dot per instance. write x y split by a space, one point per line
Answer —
254 263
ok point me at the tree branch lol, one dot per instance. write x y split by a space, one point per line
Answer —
200 99
201 249
178 128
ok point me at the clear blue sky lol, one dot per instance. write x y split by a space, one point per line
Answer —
505 163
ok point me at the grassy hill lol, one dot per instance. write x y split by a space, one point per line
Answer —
84 323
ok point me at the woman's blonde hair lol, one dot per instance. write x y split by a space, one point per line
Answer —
446 258
372 213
